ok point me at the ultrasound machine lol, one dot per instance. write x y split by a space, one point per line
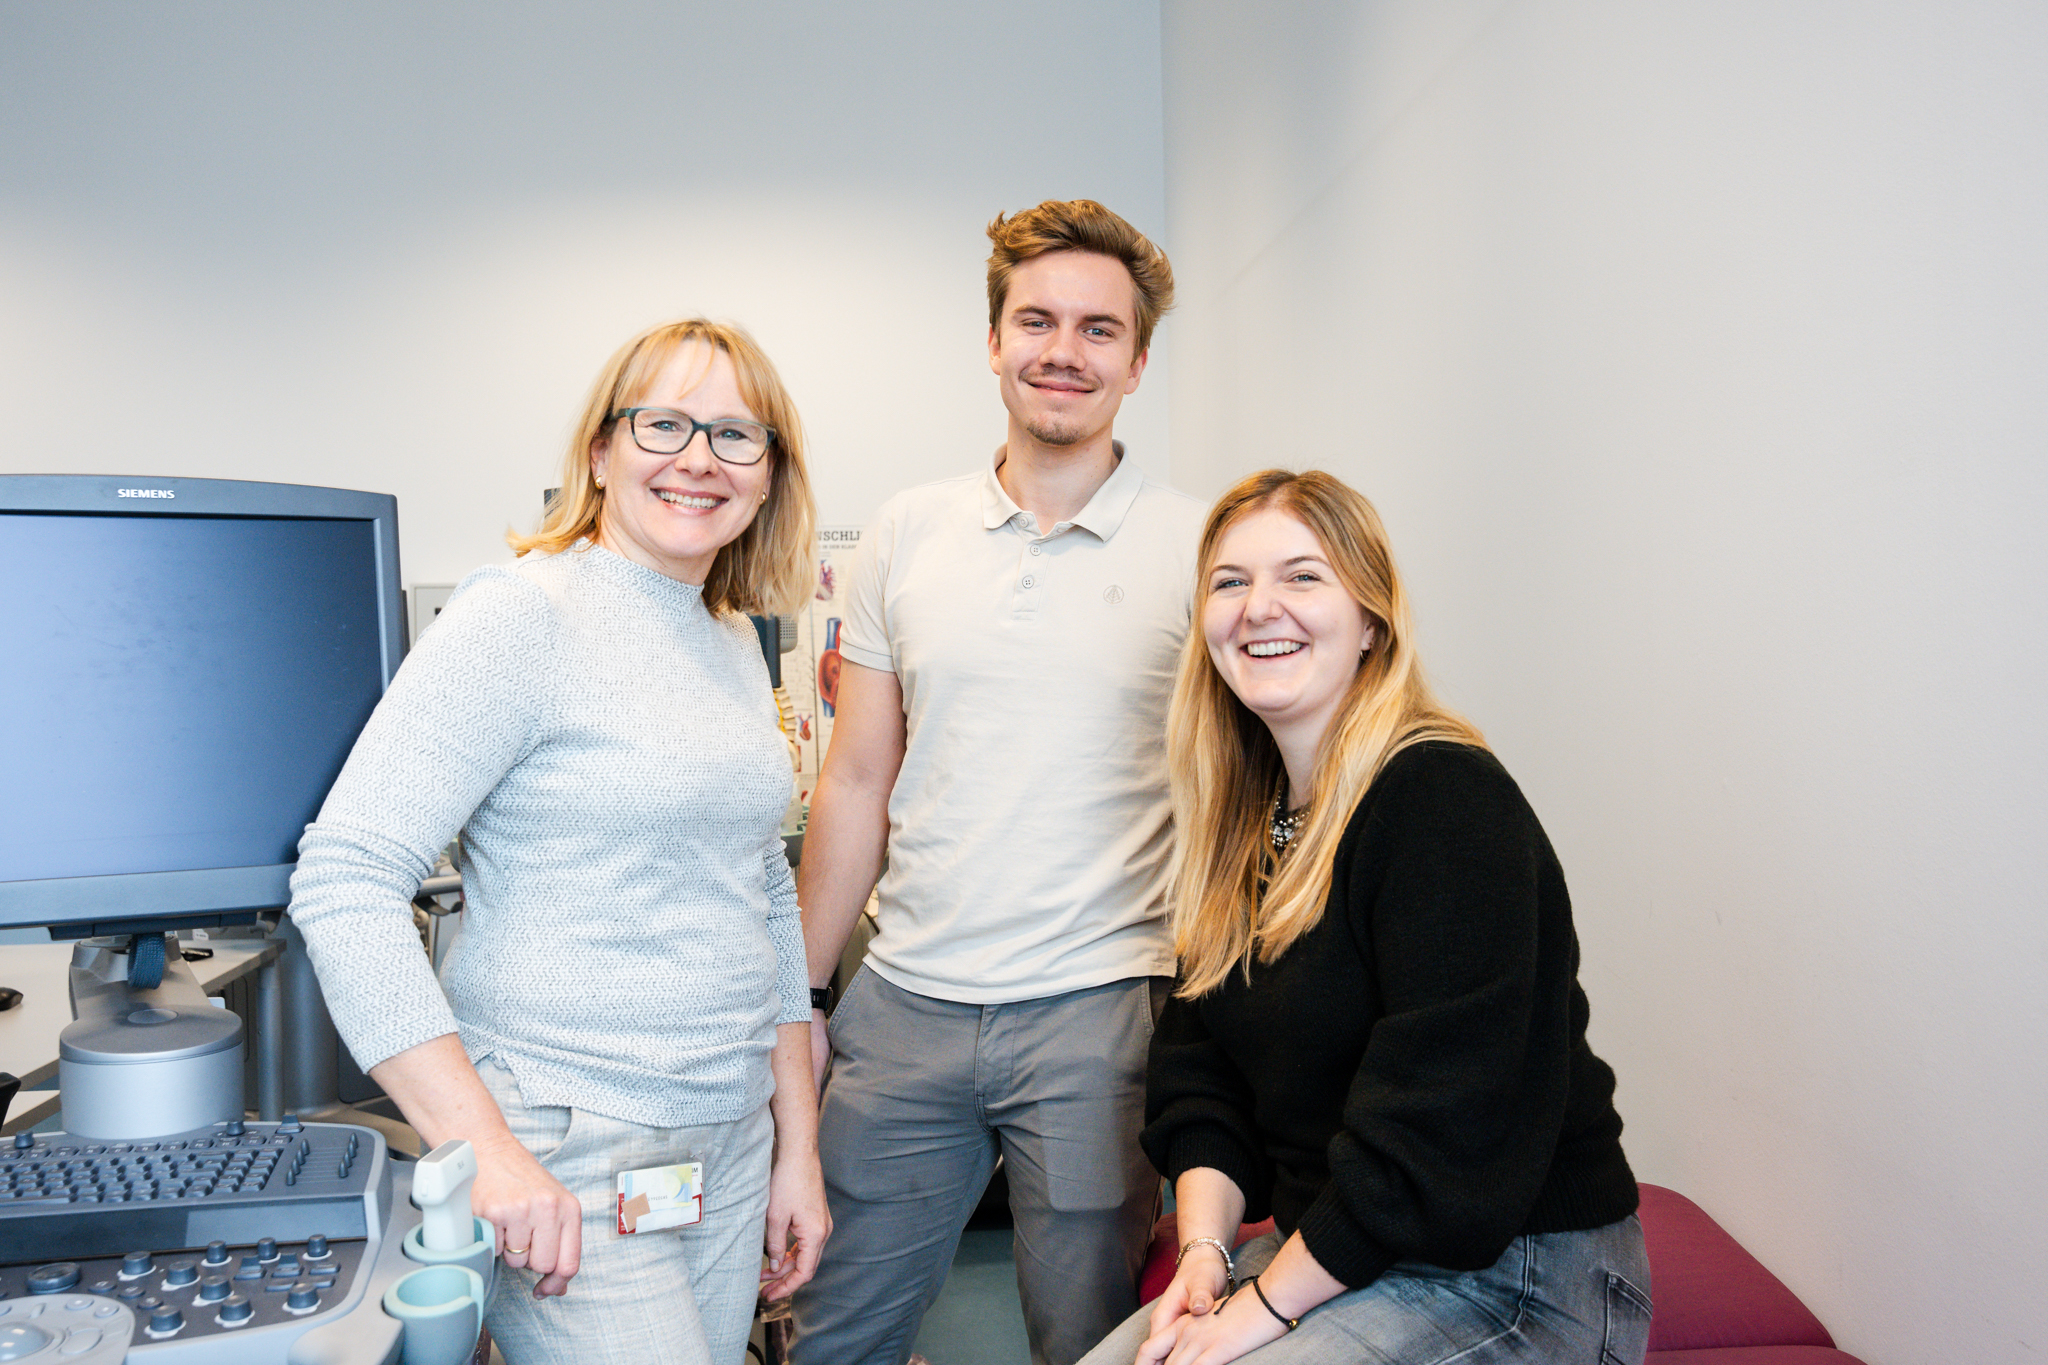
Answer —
184 665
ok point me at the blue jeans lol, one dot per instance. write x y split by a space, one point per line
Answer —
1553 1298
681 1297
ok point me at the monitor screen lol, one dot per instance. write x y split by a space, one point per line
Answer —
181 690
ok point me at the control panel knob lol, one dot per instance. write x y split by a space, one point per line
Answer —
24 1141
54 1278
266 1250
166 1318
236 1128
180 1272
236 1309
213 1288
216 1253
316 1247
304 1295
137 1263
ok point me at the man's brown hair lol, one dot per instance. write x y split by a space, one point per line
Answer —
1079 225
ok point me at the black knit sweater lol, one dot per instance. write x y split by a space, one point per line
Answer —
1410 1080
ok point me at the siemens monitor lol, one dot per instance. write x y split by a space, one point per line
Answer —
184 664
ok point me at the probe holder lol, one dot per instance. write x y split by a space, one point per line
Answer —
442 1308
480 1257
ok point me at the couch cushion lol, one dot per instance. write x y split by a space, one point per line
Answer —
1709 1292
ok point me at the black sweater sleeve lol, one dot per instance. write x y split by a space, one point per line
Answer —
1198 1109
1448 1127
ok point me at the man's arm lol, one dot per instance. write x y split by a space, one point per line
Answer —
849 825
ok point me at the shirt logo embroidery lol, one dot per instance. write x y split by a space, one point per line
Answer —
1112 594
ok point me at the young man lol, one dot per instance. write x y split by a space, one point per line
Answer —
1009 645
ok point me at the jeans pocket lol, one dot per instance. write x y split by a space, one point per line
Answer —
1627 1333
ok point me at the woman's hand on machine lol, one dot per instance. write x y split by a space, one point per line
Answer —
539 1223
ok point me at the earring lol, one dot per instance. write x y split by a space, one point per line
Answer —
764 495
600 480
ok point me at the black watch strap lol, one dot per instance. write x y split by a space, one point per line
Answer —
821 998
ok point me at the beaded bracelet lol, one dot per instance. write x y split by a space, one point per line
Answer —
1229 1266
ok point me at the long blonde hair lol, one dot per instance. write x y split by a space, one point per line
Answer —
768 568
1233 898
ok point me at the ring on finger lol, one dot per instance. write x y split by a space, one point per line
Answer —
517 1251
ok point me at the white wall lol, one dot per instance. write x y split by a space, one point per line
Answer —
1694 353
388 245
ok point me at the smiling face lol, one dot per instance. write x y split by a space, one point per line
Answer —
1065 349
1284 634
674 513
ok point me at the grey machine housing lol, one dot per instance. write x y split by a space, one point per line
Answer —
141 1063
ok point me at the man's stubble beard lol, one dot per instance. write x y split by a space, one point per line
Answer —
1053 431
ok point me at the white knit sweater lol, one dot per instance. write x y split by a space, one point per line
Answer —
609 751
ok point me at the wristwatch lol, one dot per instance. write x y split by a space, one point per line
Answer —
821 998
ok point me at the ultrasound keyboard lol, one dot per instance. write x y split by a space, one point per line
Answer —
240 1242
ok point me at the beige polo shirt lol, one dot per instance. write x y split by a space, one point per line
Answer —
1029 826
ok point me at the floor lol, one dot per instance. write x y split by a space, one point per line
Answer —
976 1320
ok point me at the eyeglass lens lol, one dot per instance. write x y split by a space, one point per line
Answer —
660 431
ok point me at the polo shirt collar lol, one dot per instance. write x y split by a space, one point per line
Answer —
1103 515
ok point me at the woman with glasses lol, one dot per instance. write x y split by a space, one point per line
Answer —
1378 1037
596 723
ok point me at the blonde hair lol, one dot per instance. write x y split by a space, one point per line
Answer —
768 568
1233 898
1079 225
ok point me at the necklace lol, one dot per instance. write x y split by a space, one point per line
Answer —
1286 824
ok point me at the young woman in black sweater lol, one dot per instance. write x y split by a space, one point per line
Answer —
1378 1038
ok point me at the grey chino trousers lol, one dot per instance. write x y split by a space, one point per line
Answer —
922 1095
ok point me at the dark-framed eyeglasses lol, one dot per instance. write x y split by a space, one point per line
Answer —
664 431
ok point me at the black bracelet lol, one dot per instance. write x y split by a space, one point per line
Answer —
821 998
1289 1323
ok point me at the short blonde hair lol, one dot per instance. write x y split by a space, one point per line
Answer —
1080 225
1232 897
768 568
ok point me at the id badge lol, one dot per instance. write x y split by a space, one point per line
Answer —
655 1198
